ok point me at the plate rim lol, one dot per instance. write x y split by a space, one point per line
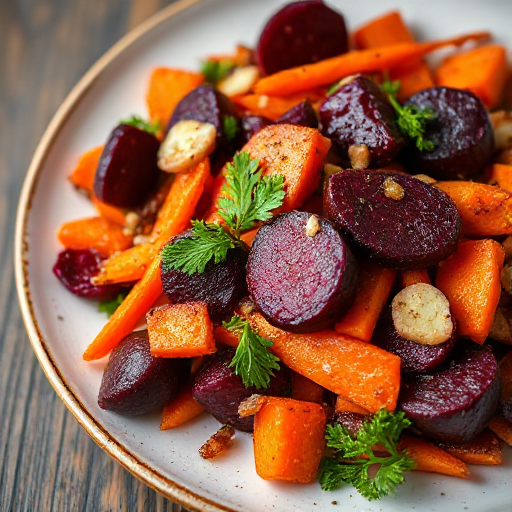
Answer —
100 435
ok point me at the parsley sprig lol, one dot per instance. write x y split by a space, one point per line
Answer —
142 124
353 456
252 361
411 120
248 198
215 70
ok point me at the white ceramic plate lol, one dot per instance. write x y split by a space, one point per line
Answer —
61 326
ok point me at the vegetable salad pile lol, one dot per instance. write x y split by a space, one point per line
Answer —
330 221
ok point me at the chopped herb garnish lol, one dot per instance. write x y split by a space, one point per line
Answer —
109 306
353 456
411 120
248 198
141 124
230 126
216 70
252 361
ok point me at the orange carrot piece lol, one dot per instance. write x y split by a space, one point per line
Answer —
180 330
180 410
375 283
288 439
484 449
94 233
325 72
226 337
173 218
297 153
112 213
410 277
83 174
273 107
470 279
306 390
483 71
390 29
344 405
485 210
429 457
249 236
501 175
361 372
502 428
166 88
141 297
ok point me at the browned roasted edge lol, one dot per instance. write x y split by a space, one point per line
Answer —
138 468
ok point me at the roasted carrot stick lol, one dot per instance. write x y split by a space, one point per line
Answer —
502 428
180 410
112 213
226 337
375 283
483 449
501 175
470 279
485 210
428 457
325 72
410 277
306 390
390 29
361 372
141 297
83 174
483 71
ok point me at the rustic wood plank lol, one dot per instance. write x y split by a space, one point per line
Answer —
49 463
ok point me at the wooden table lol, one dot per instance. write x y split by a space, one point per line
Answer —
49 463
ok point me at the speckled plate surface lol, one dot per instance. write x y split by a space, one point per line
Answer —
60 325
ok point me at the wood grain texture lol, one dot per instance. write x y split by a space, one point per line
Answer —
48 462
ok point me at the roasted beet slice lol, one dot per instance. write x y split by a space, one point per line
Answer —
352 421
415 357
251 125
302 114
359 113
301 33
453 405
221 285
461 132
220 391
206 105
127 170
75 268
300 272
395 219
135 382
506 391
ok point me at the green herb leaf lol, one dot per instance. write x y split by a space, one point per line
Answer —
191 255
109 306
230 127
249 197
349 466
216 70
252 361
141 124
411 120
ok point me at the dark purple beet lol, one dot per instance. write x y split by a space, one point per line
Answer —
221 285
206 105
75 268
461 132
360 113
352 421
135 382
506 391
302 114
251 125
127 170
415 231
301 33
454 404
301 283
415 356
220 391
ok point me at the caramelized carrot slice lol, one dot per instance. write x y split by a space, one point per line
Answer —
410 277
501 175
361 372
288 439
180 410
83 174
375 283
306 390
483 449
94 233
344 405
470 279
111 213
502 428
